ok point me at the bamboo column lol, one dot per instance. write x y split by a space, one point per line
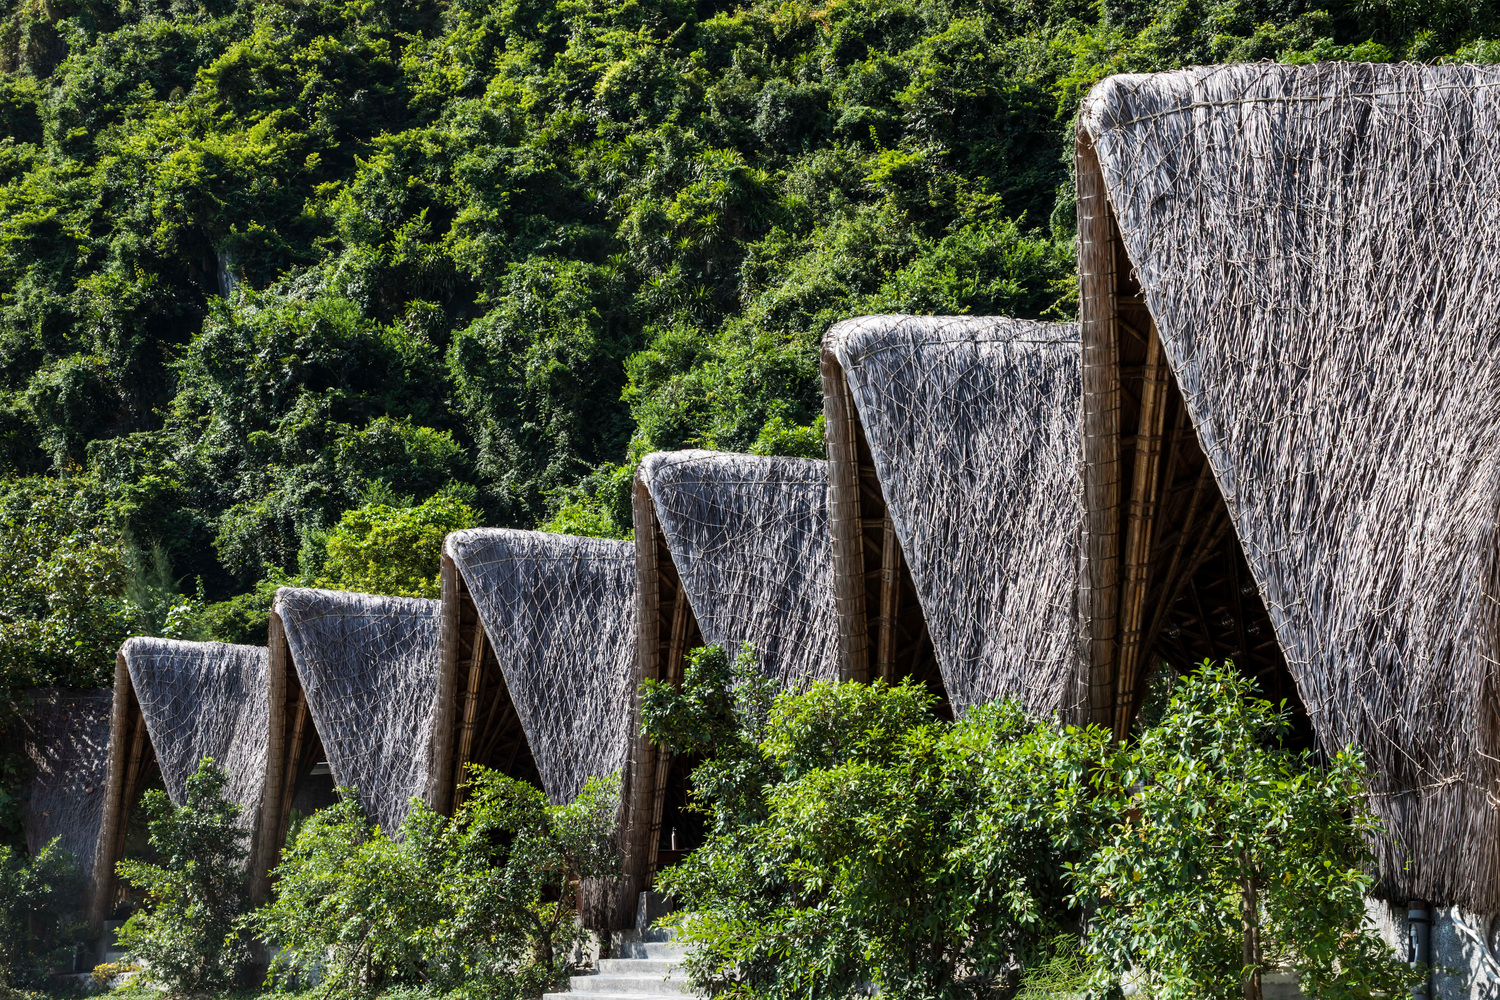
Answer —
840 431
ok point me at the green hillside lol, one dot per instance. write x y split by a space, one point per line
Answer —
266 263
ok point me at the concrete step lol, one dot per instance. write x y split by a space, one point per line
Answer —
114 955
637 966
633 985
664 950
614 996
654 934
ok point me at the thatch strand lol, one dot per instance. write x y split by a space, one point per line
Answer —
748 536
368 666
559 612
204 699
65 739
972 423
1318 246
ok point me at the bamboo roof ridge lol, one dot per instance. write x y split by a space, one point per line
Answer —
748 535
1317 247
368 667
204 699
558 612
66 742
972 427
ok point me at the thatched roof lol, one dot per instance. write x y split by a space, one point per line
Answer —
65 739
558 612
748 536
368 666
204 699
1316 246
972 427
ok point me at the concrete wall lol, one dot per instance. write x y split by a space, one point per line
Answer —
1465 948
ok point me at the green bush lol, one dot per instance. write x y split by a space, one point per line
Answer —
379 549
1215 827
483 903
856 839
187 934
39 918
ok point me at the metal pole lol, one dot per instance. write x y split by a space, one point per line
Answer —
1419 929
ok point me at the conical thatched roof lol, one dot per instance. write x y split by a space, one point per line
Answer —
66 743
748 536
558 612
204 699
1316 246
972 427
368 667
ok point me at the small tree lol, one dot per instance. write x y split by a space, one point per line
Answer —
482 902
38 914
195 890
856 838
514 865
1225 848
378 549
353 902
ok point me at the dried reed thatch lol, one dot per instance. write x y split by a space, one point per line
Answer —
1303 257
65 739
556 616
368 667
174 704
953 456
748 536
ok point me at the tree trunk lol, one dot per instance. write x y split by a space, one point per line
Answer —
1250 921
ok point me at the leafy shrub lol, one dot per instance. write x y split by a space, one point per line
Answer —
187 933
856 839
481 903
1217 827
39 919
379 549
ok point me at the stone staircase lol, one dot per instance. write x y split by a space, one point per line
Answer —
647 965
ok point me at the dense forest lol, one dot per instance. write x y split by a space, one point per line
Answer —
289 288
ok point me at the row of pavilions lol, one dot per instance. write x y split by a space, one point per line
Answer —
1272 437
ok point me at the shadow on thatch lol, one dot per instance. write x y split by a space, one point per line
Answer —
65 742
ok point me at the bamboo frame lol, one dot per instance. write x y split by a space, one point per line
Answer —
872 582
462 733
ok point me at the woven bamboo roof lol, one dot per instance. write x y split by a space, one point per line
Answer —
748 536
972 426
558 611
1317 246
204 699
65 739
368 667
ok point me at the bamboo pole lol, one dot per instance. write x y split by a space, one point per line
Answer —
104 855
1099 583
301 721
267 843
638 791
439 772
1145 501
663 756
844 521
890 597
471 710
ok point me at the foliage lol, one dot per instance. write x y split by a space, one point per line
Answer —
377 549
856 838
39 919
187 933
258 260
482 903
1218 827
351 900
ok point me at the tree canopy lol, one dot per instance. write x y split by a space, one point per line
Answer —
266 263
